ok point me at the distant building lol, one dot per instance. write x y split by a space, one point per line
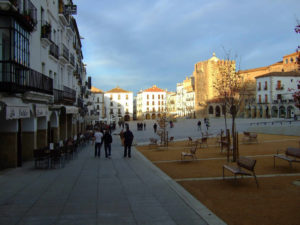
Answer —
204 75
274 95
151 103
185 98
118 104
98 106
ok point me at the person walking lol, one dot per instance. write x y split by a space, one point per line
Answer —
155 127
128 138
207 124
98 138
107 139
199 125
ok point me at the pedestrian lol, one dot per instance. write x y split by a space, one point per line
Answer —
128 138
107 139
122 137
199 125
98 138
144 126
207 124
155 127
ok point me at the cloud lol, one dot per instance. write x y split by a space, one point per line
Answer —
142 42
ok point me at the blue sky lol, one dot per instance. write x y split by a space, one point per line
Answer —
137 43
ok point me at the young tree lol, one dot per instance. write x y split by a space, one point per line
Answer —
231 90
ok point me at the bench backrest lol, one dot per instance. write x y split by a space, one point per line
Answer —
246 163
194 147
295 152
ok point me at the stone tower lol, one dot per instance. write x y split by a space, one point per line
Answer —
204 74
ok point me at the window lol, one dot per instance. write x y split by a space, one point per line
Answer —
97 106
259 86
158 102
111 104
147 103
292 60
266 85
278 87
279 97
98 100
111 97
162 97
111 111
286 60
266 98
147 96
126 110
152 96
119 111
259 98
126 104
148 109
153 109
126 97
158 96
119 96
153 103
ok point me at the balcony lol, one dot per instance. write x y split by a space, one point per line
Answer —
24 12
64 54
72 60
63 16
53 51
46 33
69 95
19 80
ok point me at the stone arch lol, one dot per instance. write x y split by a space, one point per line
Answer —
274 111
282 112
218 111
210 110
153 116
147 116
290 111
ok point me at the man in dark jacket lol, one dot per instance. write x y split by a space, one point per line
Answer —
107 138
128 138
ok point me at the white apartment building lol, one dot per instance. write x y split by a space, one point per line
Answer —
185 100
43 83
151 103
274 95
171 104
97 107
118 104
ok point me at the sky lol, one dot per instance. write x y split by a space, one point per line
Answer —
135 44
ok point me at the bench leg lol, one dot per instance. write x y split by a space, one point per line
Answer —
255 179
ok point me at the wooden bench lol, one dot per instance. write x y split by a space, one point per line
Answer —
250 137
291 155
153 142
191 153
242 164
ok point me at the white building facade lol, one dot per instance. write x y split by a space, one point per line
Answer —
43 83
274 95
119 105
151 103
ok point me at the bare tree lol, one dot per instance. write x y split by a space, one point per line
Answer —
231 90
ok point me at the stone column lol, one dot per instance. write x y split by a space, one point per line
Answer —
29 138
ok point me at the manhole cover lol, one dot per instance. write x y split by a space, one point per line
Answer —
296 182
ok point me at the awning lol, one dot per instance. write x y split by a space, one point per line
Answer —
71 110
15 108
41 110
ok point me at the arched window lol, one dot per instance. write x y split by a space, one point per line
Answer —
210 110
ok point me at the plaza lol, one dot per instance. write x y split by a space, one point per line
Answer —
89 190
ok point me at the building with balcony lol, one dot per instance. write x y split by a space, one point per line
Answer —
42 78
151 103
119 105
274 95
97 106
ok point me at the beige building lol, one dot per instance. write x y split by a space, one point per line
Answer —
204 74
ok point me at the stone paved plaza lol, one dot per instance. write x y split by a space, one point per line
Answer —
89 190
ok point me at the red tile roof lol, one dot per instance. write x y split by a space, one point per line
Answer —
118 90
281 74
154 88
96 90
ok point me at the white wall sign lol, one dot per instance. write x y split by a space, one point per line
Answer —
17 112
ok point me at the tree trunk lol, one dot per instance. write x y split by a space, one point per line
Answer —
233 139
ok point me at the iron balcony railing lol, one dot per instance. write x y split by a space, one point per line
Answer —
18 79
58 96
72 59
54 50
64 52
69 94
